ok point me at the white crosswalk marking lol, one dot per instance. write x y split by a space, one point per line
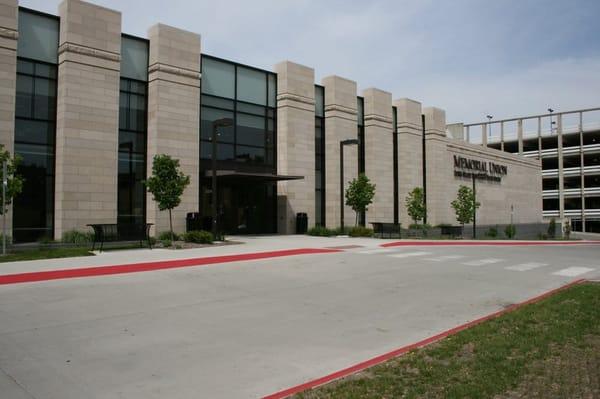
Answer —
573 271
376 251
526 266
482 262
409 254
444 258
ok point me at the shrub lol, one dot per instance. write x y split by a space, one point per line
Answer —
320 231
418 226
339 231
77 237
492 232
510 231
552 228
360 231
166 235
166 243
198 237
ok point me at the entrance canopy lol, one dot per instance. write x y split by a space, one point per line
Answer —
234 175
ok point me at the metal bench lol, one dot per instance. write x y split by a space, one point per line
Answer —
380 229
113 232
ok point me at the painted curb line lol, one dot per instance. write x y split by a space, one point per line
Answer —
152 266
484 243
403 350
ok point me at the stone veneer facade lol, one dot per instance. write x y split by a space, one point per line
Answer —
87 132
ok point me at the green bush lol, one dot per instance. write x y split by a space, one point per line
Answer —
166 243
552 228
360 231
166 235
320 231
339 231
77 237
419 226
510 231
198 237
492 232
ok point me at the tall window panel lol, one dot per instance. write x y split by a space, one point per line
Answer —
395 158
360 105
248 97
131 207
35 127
319 155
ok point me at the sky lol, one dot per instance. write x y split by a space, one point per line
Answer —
471 58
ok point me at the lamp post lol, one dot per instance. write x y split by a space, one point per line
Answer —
489 117
224 122
551 122
342 144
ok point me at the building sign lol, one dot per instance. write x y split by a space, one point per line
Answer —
482 170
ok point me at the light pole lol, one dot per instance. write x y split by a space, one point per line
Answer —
225 122
551 122
4 184
342 144
489 117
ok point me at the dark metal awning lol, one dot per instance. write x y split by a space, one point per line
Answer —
250 176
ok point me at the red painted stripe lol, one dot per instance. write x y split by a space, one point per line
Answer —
484 243
400 351
150 266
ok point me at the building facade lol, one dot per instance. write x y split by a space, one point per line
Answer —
87 107
568 145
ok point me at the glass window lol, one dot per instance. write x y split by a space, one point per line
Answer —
361 110
45 99
218 78
251 86
38 37
250 154
217 102
272 100
224 151
24 99
319 101
550 184
34 132
134 58
250 130
208 116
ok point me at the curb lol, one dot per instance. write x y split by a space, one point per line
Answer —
403 350
60 274
485 243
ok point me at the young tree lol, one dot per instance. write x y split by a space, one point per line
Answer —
465 205
167 184
14 182
415 204
359 194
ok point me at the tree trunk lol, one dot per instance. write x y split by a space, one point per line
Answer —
171 227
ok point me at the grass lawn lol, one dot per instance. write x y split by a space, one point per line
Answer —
550 349
34 254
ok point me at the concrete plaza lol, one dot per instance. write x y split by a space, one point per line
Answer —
247 329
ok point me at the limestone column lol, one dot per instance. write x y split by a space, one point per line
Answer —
295 143
561 172
436 157
379 154
8 79
174 114
8 70
87 116
410 154
340 124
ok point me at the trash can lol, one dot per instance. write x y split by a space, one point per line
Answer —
301 223
192 221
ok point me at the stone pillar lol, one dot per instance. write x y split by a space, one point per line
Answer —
8 70
295 143
174 114
8 79
485 131
457 131
436 157
561 172
87 119
379 154
410 154
520 135
340 124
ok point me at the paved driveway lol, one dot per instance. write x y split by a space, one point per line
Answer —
248 329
